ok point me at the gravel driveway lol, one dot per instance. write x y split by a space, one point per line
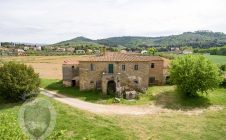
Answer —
104 109
120 109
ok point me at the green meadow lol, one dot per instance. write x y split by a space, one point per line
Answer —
218 59
203 117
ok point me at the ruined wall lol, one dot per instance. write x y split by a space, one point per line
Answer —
157 71
70 72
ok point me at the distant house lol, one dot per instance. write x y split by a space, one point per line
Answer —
144 52
26 48
37 48
60 49
70 49
80 52
89 51
96 51
19 52
123 51
187 52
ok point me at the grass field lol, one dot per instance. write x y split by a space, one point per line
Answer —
195 118
50 67
71 123
47 66
218 59
156 95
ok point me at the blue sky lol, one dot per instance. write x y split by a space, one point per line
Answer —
50 21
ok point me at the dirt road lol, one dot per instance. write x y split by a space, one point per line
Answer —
122 109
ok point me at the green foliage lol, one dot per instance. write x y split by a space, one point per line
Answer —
78 43
223 67
18 81
168 55
212 50
152 51
193 74
199 39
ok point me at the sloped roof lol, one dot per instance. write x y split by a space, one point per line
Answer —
70 62
120 57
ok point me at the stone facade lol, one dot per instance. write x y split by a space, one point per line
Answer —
124 72
130 77
70 74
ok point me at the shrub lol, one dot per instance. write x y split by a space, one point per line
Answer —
224 83
18 81
193 74
223 67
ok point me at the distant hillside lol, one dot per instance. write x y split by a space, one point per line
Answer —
79 41
198 39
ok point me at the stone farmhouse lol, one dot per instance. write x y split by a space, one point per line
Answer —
115 72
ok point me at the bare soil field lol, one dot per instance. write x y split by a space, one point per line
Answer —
48 67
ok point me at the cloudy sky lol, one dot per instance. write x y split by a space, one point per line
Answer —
50 21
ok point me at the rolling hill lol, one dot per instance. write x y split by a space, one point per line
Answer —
198 39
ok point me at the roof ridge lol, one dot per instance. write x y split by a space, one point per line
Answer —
117 56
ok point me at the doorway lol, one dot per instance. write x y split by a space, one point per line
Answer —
111 88
73 83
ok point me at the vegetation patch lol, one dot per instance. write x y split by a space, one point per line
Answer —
18 81
74 124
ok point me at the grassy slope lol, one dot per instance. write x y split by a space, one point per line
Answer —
163 95
71 124
218 59
75 124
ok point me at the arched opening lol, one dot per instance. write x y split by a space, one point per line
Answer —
111 87
73 83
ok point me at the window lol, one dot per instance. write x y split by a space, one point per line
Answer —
152 65
123 67
136 82
151 80
110 68
135 67
91 82
92 67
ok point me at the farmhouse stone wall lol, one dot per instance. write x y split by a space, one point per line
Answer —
130 77
157 72
70 72
94 73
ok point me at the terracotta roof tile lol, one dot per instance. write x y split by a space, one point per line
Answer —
121 57
70 62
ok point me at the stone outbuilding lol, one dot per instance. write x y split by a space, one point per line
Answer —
115 72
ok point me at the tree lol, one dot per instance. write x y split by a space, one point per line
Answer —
193 74
18 81
152 51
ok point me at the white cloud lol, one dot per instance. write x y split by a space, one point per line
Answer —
49 21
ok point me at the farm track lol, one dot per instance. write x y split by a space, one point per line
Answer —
120 109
